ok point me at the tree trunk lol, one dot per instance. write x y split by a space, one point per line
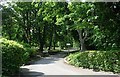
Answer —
83 48
51 36
50 43
54 36
82 40
43 39
28 28
54 41
41 47
40 41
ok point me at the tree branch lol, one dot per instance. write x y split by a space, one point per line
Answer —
80 36
86 33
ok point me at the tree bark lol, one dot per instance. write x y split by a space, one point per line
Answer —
51 36
83 48
28 28
82 40
43 39
40 41
54 36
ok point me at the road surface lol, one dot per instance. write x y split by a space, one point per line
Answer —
55 65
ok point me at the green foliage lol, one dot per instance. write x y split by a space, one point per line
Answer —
97 60
103 40
81 14
56 23
105 34
31 50
13 56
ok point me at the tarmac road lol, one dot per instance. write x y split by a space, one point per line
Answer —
54 65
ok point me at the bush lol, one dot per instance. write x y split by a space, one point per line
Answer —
13 56
97 60
32 50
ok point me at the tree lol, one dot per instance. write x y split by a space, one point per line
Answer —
105 34
81 16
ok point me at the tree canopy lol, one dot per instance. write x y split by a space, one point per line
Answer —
31 28
53 24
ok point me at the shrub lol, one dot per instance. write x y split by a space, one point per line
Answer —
32 50
97 60
13 56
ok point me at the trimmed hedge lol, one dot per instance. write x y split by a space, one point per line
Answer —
13 56
97 60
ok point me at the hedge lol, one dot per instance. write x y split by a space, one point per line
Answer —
13 56
97 60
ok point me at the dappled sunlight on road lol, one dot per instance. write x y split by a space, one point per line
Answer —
54 65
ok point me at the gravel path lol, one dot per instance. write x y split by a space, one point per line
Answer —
54 65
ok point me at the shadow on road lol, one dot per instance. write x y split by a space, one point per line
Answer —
28 73
51 59
80 76
49 64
